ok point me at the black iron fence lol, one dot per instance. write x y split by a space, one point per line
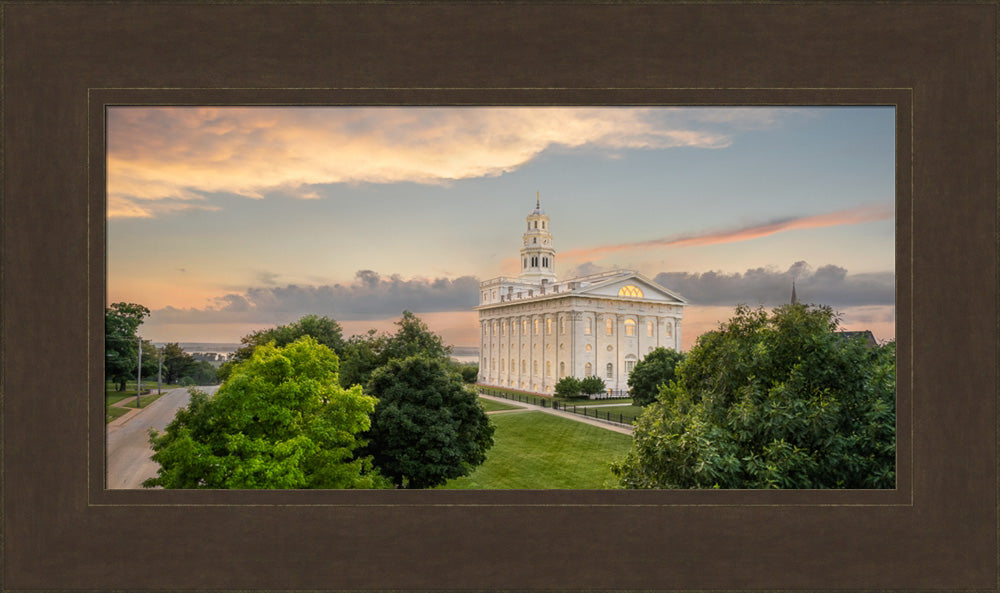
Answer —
605 413
519 396
610 394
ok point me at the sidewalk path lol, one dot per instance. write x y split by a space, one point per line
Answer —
614 426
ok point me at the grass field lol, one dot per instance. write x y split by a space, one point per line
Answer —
494 406
535 450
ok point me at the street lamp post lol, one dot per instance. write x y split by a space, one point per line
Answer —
138 377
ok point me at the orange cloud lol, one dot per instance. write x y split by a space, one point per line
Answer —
842 217
169 158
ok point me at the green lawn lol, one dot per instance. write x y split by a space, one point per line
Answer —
535 450
112 412
494 406
144 400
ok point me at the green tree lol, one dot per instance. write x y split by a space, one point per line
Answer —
281 420
364 354
428 427
121 342
202 373
470 372
771 401
568 387
651 373
592 384
176 363
324 330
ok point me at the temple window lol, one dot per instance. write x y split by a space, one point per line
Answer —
630 290
629 327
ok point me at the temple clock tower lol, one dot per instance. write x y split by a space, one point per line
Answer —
538 256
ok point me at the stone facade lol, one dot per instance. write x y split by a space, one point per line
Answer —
534 330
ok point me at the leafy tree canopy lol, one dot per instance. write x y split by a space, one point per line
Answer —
568 387
771 401
428 427
363 354
121 342
181 367
281 420
651 373
324 330
592 384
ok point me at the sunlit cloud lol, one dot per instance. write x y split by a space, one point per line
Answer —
745 233
162 159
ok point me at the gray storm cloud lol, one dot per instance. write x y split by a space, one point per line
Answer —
370 296
826 285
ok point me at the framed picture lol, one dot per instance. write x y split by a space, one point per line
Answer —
68 66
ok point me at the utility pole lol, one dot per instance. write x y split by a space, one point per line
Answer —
138 377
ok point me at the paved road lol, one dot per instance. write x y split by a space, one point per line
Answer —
129 453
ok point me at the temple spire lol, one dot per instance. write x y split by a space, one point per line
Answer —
538 199
794 299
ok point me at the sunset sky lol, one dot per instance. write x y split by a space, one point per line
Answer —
226 220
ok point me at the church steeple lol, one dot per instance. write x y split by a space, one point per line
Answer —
538 256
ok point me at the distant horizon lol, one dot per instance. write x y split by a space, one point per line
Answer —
226 220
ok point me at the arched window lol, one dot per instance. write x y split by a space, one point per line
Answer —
545 262
501 365
524 366
629 327
562 369
587 327
668 329
629 364
609 326
630 290
536 326
526 262
536 224
524 326
548 325
611 371
548 368
512 367
535 369
543 224
587 370
649 329
503 329
562 325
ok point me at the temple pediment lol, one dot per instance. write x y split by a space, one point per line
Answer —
632 285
